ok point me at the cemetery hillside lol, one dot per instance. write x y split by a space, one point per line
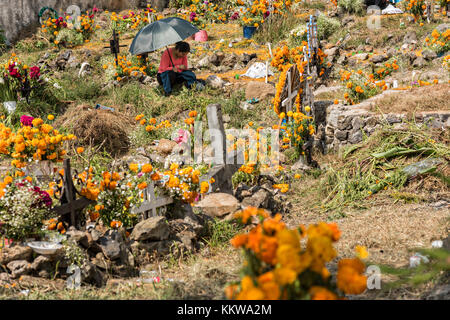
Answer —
212 150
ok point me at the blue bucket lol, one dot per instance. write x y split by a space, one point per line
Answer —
249 31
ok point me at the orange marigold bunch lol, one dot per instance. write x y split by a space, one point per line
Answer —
278 266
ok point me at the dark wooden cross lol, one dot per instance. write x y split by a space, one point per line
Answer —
115 46
70 207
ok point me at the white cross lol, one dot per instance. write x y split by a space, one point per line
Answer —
151 202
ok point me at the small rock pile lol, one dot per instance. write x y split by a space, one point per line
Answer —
110 252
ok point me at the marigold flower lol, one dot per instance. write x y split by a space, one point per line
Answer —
134 167
147 168
80 150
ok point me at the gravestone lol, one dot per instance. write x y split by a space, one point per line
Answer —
223 165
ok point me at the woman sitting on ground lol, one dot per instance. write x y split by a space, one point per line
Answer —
173 68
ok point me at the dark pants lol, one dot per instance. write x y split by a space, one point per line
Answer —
382 4
169 78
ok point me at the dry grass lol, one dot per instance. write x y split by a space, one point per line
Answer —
427 98
98 127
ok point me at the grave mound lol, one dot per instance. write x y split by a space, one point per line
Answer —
98 127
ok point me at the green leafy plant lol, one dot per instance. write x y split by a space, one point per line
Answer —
23 208
352 6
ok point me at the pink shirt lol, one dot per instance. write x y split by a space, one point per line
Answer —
166 64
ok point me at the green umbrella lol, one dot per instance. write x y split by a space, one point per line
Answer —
161 33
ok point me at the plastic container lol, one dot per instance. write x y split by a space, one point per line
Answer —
98 106
201 36
248 32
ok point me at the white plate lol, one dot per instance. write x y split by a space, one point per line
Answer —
44 247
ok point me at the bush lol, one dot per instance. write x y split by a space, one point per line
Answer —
325 28
352 6
2 40
275 28
70 37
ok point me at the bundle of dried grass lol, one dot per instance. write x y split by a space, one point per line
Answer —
98 127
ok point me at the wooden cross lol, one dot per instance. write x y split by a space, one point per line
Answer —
429 8
290 90
151 202
115 46
71 206
291 95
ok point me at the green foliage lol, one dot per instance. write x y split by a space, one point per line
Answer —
326 27
70 37
219 233
73 253
352 6
423 273
377 164
179 3
2 40
73 89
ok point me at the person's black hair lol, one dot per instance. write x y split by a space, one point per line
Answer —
183 46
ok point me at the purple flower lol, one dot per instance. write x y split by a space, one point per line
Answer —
266 14
95 9
192 16
26 120
235 16
140 174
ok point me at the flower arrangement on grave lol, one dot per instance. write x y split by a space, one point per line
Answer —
116 193
440 42
40 141
259 158
254 15
277 266
215 13
383 72
446 63
62 31
132 19
297 130
360 86
297 127
152 127
416 8
23 208
19 80
134 66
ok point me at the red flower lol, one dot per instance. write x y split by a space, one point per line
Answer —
35 72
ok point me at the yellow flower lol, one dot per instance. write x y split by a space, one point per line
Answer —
134 167
285 276
50 117
361 252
